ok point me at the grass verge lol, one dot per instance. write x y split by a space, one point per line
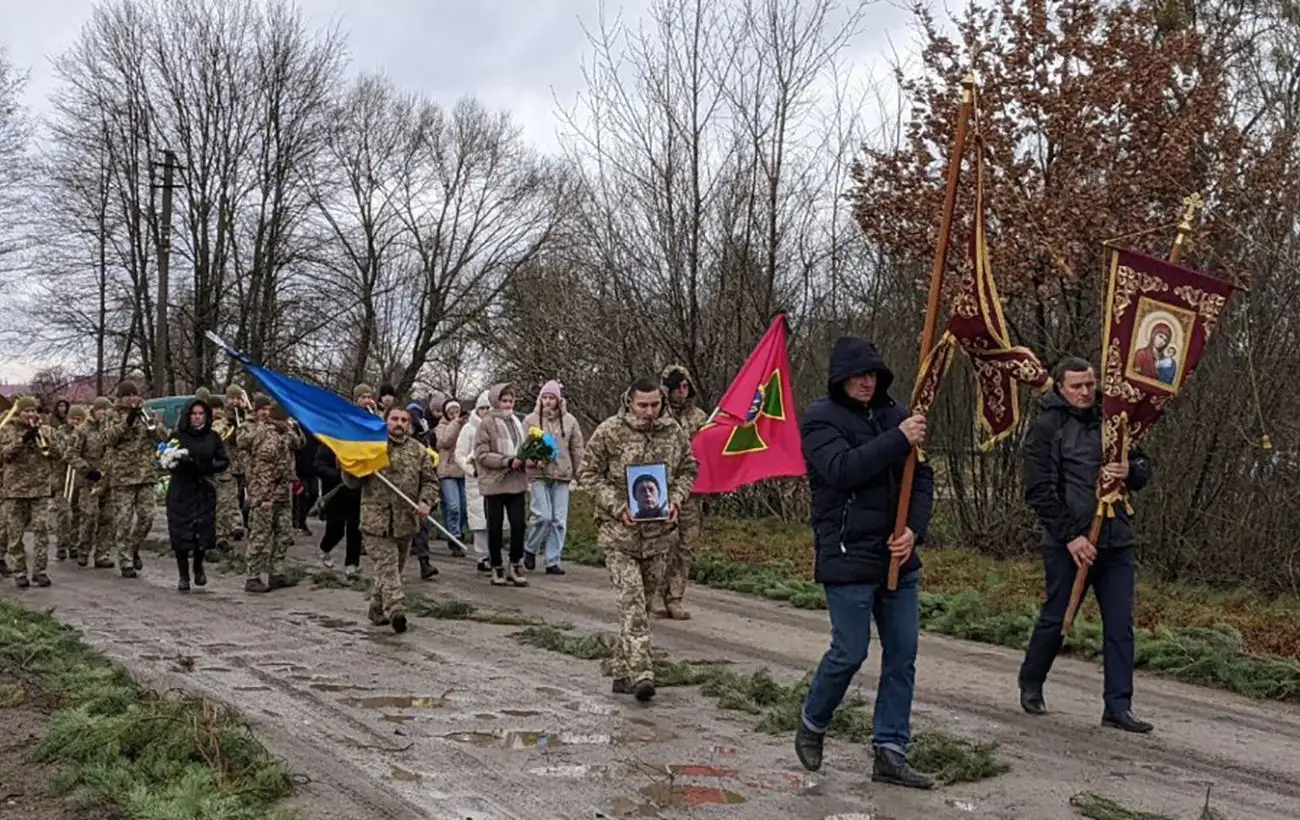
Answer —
1230 640
1096 807
150 755
422 606
777 706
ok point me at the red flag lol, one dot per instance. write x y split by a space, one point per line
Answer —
753 434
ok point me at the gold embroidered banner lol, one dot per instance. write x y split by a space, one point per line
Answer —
1158 318
978 326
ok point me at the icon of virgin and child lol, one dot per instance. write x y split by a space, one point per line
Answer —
1158 358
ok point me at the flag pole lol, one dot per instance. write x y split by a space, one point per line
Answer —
390 485
936 290
1192 204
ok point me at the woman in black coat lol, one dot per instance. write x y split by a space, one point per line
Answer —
192 492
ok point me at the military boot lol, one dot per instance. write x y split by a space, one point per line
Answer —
21 581
256 585
676 611
83 560
104 563
4 569
376 614
61 554
136 562
74 554
128 571
399 622
622 686
643 690
427 570
41 580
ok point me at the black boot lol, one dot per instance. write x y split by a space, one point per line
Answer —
1031 698
427 569
4 569
200 577
808 747
183 571
1125 720
892 767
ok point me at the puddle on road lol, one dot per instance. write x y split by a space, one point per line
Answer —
665 796
530 740
402 775
394 702
252 689
485 716
216 669
521 712
399 719
549 690
335 687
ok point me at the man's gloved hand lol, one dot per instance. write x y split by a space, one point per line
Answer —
93 475
31 434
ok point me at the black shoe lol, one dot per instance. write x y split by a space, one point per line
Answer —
128 571
183 585
399 623
21 582
485 565
61 554
427 570
256 585
1031 699
83 560
104 563
808 747
200 577
136 562
622 686
892 767
457 551
530 561
643 690
376 614
41 580
555 570
1125 720
4 569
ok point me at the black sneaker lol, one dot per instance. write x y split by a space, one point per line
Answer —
4 569
530 561
485 565
399 623
892 767
427 570
1031 699
1127 721
644 690
456 550
41 580
555 570
183 585
104 563
808 747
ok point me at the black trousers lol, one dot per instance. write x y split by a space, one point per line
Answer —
1111 580
343 518
497 508
302 503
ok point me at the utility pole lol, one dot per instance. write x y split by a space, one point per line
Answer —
161 369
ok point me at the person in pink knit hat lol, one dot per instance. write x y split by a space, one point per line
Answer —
549 483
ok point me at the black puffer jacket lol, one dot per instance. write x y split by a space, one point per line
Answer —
1062 458
191 492
855 456
347 501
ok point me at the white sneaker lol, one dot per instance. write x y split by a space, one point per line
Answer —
351 571
327 560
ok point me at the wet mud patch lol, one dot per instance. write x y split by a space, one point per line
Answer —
394 702
515 740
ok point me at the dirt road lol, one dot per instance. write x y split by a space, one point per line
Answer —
456 720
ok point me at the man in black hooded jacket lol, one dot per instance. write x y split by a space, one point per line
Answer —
856 440
1062 461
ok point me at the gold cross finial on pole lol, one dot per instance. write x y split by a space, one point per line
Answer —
1191 204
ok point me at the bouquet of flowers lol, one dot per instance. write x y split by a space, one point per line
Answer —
433 455
169 454
538 447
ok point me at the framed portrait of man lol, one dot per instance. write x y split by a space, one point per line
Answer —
647 492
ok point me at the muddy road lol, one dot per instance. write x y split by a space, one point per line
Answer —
455 720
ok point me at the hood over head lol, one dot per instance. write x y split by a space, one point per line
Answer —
484 400
416 411
675 374
494 394
855 356
183 424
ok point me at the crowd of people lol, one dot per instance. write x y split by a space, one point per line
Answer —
85 478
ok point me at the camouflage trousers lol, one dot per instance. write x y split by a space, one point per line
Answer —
61 523
389 555
681 556
22 514
269 538
94 522
133 507
636 578
229 518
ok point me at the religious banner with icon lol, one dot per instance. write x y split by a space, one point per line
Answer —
1158 318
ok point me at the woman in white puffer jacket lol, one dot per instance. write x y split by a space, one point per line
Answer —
476 516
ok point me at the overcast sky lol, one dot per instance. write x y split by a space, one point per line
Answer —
518 55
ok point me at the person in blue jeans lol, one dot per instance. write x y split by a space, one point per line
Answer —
856 440
549 483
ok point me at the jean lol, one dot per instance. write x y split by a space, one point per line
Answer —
550 519
453 505
1111 579
898 621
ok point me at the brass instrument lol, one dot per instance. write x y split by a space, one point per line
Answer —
10 408
150 420
69 483
43 443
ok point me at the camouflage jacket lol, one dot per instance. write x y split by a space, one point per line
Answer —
65 434
26 470
622 441
86 449
227 431
130 449
411 470
269 453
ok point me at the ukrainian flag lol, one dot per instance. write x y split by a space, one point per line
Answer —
358 438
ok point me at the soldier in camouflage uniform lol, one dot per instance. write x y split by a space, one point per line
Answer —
388 523
131 436
60 514
232 484
29 452
94 519
635 552
680 389
268 444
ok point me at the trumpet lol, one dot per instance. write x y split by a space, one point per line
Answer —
43 442
69 483
150 420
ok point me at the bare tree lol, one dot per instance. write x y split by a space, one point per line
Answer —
15 166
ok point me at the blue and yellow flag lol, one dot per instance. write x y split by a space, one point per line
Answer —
358 438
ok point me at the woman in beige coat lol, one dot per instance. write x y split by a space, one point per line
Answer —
502 482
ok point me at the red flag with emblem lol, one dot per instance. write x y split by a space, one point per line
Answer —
753 434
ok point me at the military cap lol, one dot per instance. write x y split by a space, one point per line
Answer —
126 388
261 400
102 403
203 394
278 412
234 391
26 403
77 411
362 389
